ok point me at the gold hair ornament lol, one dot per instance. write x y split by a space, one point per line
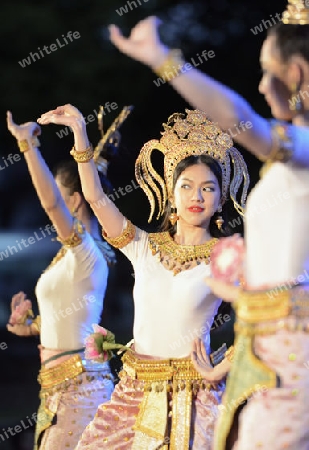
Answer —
297 13
112 136
185 136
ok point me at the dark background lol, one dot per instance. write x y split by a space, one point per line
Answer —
89 72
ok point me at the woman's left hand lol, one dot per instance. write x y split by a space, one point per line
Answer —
201 360
202 364
63 115
24 131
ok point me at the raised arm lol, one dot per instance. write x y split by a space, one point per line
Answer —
222 104
107 213
41 176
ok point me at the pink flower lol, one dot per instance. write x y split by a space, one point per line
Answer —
92 353
227 258
90 340
100 344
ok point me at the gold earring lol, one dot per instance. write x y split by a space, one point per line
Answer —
295 103
73 212
173 216
219 221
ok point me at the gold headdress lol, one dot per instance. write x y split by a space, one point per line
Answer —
297 13
112 137
183 137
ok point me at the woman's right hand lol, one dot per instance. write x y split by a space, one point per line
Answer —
20 329
143 44
21 309
71 117
24 131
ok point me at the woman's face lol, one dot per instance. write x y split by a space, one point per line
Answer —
274 83
197 195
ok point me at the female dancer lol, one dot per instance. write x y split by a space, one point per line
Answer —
272 346
70 296
161 401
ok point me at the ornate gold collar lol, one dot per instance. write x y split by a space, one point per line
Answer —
177 257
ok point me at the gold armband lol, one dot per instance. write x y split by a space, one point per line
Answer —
75 238
124 239
84 156
24 144
229 354
282 143
171 66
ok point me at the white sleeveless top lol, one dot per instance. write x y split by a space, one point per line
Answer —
277 227
70 296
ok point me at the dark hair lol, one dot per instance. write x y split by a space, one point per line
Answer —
67 171
291 40
214 166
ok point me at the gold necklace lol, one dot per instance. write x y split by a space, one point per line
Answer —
177 257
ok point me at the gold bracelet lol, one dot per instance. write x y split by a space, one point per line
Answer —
218 355
229 354
84 156
24 144
171 66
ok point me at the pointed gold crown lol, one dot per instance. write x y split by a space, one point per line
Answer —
183 137
112 137
297 13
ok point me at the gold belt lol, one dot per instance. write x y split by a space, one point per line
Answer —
161 377
265 312
51 377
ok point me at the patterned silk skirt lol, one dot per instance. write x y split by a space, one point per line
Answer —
278 418
158 404
269 379
70 395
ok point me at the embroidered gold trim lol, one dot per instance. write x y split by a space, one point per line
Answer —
127 236
76 236
177 257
